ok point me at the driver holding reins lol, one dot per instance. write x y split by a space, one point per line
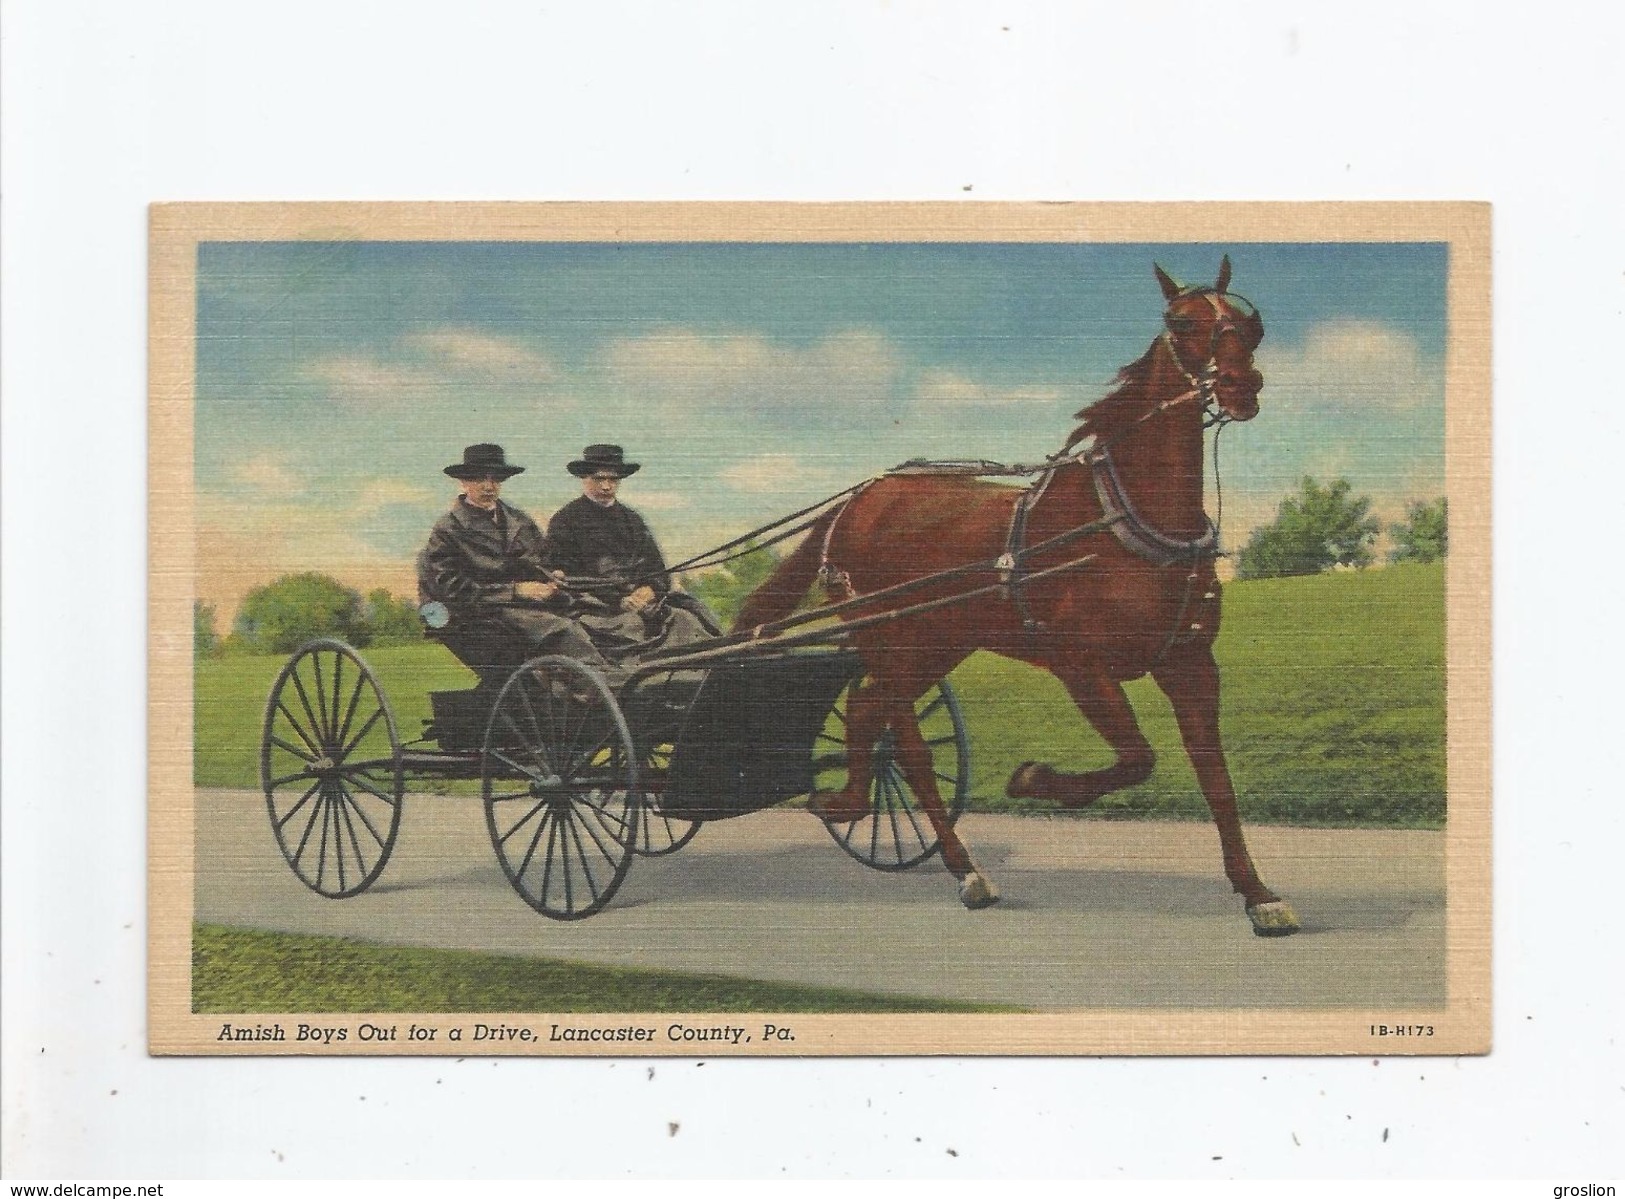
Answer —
612 563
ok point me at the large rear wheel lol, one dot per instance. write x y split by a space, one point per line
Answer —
331 769
896 834
560 784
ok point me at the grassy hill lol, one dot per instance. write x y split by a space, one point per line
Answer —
1334 707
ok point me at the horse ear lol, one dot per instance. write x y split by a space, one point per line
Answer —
1170 289
1224 274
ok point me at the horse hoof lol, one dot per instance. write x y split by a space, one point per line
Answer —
977 892
1273 919
836 807
1024 780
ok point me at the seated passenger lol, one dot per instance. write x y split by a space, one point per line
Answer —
485 563
613 566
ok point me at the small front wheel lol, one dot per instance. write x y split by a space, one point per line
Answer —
559 776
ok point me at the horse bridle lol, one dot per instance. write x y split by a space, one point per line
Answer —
1246 323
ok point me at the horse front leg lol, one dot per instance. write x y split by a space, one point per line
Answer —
1189 677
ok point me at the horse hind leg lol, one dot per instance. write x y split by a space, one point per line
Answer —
865 721
1190 679
1106 707
914 759
888 701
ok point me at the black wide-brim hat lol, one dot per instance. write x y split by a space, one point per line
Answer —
603 457
480 461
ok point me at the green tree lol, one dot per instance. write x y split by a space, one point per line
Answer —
1318 528
724 588
391 619
282 615
1424 536
205 640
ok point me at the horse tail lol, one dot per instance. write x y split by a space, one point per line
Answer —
778 596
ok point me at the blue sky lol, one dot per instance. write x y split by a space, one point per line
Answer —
335 380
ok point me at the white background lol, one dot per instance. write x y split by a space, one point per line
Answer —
109 106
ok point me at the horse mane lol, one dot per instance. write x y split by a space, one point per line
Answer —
1112 415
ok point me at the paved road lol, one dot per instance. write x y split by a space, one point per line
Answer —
1095 914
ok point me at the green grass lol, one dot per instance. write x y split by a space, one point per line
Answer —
1333 707
240 970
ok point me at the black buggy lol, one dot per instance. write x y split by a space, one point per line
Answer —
579 777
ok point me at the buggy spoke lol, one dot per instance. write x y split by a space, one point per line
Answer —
360 736
585 758
540 806
925 713
526 771
352 804
304 702
523 691
605 817
283 780
569 892
551 825
547 860
585 819
896 801
908 810
297 728
303 799
278 741
327 819
349 714
533 747
316 810
321 694
338 675
366 785
341 816
581 854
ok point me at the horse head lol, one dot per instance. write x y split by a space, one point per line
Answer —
1213 333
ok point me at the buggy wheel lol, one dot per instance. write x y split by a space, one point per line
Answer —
331 769
896 834
560 780
658 833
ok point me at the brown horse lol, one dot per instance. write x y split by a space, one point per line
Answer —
1117 521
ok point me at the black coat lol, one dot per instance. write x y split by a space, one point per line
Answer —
587 540
473 559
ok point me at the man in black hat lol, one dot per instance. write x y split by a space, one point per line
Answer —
485 563
612 560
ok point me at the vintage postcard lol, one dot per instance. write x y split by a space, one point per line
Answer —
772 629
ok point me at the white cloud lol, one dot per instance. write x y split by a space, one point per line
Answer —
1358 366
268 473
481 354
689 368
381 493
367 381
946 387
765 473
442 364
